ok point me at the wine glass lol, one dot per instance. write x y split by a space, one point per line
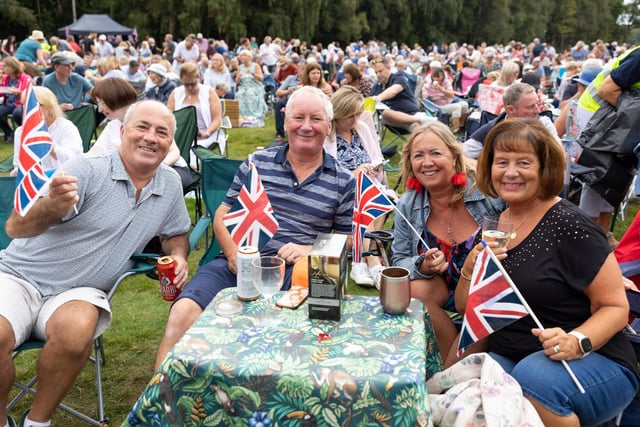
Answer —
268 275
497 230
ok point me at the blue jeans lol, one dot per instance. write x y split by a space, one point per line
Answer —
215 276
609 386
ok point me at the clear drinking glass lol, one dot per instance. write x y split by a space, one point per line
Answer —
497 230
268 275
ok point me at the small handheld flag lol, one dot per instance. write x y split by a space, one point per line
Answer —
492 304
35 145
370 204
251 221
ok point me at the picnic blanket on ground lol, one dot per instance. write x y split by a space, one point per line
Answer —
476 391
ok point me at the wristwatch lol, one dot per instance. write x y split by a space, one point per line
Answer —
418 264
583 341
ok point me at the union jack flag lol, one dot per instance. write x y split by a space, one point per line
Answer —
370 204
251 221
492 303
35 145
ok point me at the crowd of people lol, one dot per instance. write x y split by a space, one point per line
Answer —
512 167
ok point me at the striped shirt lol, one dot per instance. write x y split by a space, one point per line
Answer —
323 203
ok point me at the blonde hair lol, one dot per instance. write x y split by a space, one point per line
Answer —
346 102
48 102
190 70
443 132
223 67
508 73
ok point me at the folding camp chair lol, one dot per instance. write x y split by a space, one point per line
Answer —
185 137
143 263
217 176
434 110
219 137
85 120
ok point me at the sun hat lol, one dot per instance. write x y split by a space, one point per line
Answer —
283 60
61 58
37 35
587 75
158 69
435 64
102 37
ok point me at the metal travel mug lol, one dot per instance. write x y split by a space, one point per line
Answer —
395 292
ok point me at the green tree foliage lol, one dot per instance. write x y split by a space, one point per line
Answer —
425 22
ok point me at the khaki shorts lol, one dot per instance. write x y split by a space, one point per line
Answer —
28 312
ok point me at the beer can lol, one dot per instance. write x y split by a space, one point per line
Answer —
167 275
246 288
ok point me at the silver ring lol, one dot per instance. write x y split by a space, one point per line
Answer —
556 348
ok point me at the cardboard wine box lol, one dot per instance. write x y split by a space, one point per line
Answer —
327 276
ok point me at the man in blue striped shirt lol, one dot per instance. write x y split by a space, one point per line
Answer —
310 194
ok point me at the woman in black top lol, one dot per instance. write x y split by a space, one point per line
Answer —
560 261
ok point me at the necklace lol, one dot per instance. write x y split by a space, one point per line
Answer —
513 235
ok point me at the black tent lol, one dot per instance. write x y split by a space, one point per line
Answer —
101 24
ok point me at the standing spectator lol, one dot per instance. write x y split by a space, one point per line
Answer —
186 51
89 44
69 87
30 53
8 46
168 47
145 49
162 86
268 54
104 48
203 44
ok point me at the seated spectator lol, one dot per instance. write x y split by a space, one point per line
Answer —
520 101
354 77
68 87
313 76
284 69
292 175
354 143
564 269
439 90
445 207
218 73
67 142
114 97
96 215
133 72
250 91
283 92
395 92
207 103
509 73
163 87
13 83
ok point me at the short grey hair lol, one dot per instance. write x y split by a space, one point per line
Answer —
132 108
513 94
310 90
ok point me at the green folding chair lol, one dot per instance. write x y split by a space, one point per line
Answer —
217 176
85 120
185 136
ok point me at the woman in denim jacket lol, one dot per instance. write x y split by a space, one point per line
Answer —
444 206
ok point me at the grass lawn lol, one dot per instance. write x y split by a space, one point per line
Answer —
140 315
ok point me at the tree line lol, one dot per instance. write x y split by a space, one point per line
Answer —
561 23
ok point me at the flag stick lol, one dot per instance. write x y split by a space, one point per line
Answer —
531 313
411 227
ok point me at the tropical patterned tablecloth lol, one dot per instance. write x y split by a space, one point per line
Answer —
368 369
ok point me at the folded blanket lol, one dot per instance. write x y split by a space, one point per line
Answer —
476 391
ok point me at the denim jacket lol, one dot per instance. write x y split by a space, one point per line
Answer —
404 247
